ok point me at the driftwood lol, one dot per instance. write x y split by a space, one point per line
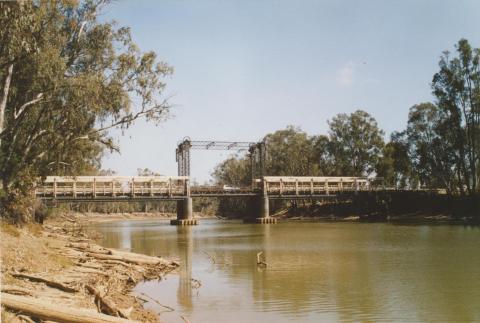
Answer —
24 318
16 290
105 305
170 309
88 270
68 219
212 258
260 262
47 282
131 258
53 312
85 246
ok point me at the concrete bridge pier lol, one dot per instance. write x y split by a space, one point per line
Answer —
261 211
184 213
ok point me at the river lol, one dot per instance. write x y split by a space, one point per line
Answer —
316 271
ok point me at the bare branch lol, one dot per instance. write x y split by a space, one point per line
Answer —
159 108
22 109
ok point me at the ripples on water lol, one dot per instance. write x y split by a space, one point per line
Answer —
316 271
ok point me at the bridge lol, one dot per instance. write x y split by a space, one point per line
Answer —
178 188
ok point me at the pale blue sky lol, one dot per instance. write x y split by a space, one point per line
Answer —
244 68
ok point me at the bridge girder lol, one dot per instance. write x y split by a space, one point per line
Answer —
257 153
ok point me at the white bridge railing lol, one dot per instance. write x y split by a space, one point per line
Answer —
305 185
58 187
113 186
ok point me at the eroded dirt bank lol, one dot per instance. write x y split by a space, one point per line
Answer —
56 272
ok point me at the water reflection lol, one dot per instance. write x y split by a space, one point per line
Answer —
185 288
316 271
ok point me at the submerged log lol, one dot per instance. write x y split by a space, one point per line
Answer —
54 312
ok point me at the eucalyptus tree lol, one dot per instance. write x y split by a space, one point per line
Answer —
290 152
356 143
457 90
235 171
431 152
395 165
67 79
322 155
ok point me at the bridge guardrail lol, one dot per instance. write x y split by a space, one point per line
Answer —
112 186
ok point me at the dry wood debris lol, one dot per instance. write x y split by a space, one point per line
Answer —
92 287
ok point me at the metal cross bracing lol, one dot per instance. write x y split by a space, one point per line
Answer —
256 153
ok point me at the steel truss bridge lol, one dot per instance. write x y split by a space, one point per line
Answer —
178 188
144 188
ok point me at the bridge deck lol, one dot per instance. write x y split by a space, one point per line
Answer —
122 188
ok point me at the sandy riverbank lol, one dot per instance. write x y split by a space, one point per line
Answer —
56 272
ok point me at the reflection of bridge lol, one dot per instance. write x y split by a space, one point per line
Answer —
178 188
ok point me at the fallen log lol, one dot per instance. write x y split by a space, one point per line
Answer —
132 259
16 290
24 319
106 306
85 246
47 282
53 312
87 270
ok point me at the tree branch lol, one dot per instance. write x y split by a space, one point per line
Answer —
22 109
6 90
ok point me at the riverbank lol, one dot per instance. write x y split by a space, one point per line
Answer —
56 272
85 218
404 207
300 214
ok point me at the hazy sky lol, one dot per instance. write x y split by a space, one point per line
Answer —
244 68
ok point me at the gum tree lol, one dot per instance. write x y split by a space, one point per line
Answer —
356 143
65 80
457 90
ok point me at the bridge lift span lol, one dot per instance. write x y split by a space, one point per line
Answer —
257 153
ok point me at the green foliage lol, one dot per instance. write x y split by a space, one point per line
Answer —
443 138
353 148
66 79
290 152
356 143
233 171
457 91
432 157
395 165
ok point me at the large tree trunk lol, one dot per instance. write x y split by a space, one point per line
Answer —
55 312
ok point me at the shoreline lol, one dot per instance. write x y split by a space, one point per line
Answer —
57 272
394 219
285 215
95 217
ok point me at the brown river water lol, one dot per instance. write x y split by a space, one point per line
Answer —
316 271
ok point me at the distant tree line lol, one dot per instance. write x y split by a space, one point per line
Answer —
439 148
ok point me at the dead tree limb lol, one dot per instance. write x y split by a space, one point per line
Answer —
53 312
47 282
